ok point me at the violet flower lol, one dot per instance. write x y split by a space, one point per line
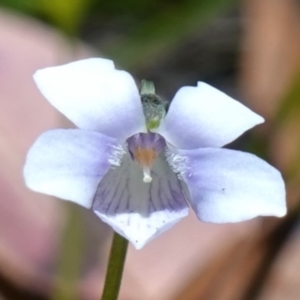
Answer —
139 174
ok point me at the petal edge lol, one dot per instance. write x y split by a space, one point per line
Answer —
137 210
95 96
203 116
69 163
230 186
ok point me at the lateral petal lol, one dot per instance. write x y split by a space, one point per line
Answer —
69 163
229 186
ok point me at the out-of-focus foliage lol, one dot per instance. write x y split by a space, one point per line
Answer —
70 257
290 104
67 15
287 120
139 31
156 27
20 5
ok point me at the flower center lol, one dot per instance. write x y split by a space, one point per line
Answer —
144 149
145 157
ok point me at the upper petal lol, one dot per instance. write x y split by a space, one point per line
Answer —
95 96
69 163
137 210
230 186
203 116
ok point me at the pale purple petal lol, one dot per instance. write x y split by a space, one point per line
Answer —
69 163
229 186
203 116
95 96
137 210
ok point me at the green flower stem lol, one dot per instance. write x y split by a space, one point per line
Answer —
115 268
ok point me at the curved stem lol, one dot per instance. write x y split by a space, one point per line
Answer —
115 268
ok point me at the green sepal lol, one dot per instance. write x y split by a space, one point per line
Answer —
153 106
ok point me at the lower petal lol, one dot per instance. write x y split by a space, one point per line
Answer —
69 163
138 210
229 186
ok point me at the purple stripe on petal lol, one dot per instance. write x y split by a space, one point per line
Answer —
138 210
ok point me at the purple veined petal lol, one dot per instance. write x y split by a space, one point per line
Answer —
95 96
137 210
203 116
229 186
69 163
